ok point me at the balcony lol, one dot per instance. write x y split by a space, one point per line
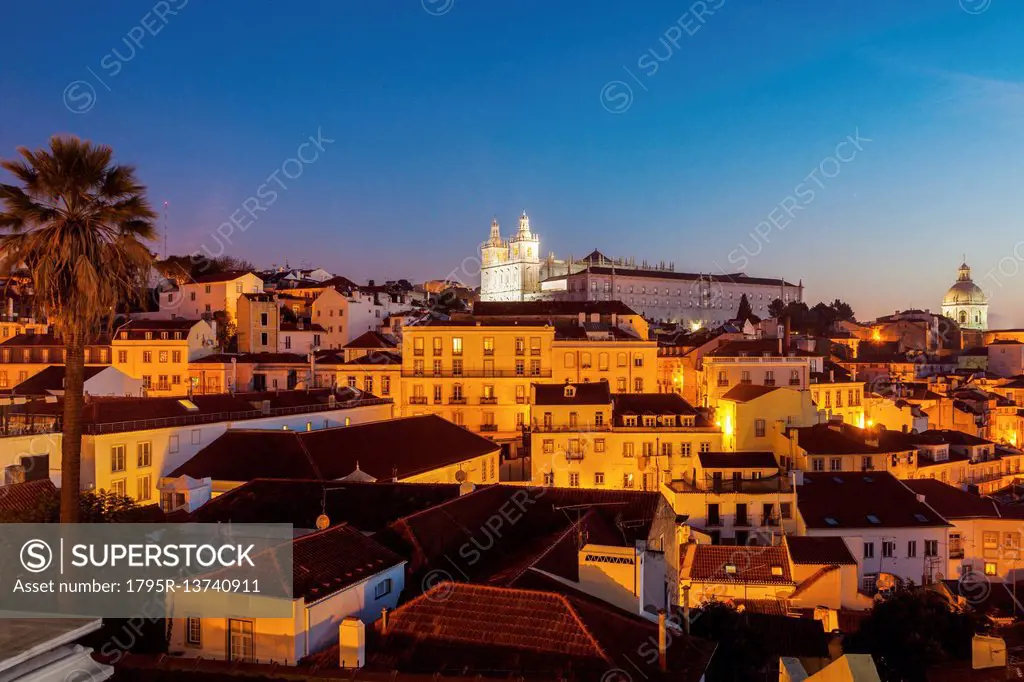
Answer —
492 400
488 428
480 374
418 400
454 400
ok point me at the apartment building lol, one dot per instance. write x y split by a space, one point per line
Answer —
476 374
762 362
159 351
735 498
208 294
583 435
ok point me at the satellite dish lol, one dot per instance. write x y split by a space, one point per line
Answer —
322 522
460 476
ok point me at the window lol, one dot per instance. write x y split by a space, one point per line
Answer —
599 478
759 428
382 589
194 631
144 454
911 549
869 550
144 488
240 640
117 458
574 479
888 549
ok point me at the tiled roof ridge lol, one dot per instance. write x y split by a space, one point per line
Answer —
512 592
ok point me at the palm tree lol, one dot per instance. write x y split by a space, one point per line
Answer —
75 224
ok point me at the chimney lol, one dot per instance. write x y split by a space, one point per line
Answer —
686 608
352 643
14 474
662 646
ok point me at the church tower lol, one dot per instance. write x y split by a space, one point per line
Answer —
965 302
524 251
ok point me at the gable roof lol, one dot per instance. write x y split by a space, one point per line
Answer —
594 393
386 450
739 564
841 500
52 379
329 561
743 393
465 629
368 507
953 503
371 339
819 550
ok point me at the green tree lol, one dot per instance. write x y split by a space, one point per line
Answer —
912 630
745 312
77 223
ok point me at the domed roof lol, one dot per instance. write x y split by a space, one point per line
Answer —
965 291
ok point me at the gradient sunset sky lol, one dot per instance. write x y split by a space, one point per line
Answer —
615 129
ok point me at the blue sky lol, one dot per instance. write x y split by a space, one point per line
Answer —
445 113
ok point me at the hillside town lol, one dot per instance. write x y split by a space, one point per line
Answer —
577 467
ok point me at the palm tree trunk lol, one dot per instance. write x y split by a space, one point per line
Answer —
71 447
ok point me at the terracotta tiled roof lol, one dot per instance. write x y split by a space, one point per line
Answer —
385 450
22 496
843 500
371 339
743 393
737 460
846 439
368 507
595 393
953 503
652 403
807 549
328 561
740 564
535 634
